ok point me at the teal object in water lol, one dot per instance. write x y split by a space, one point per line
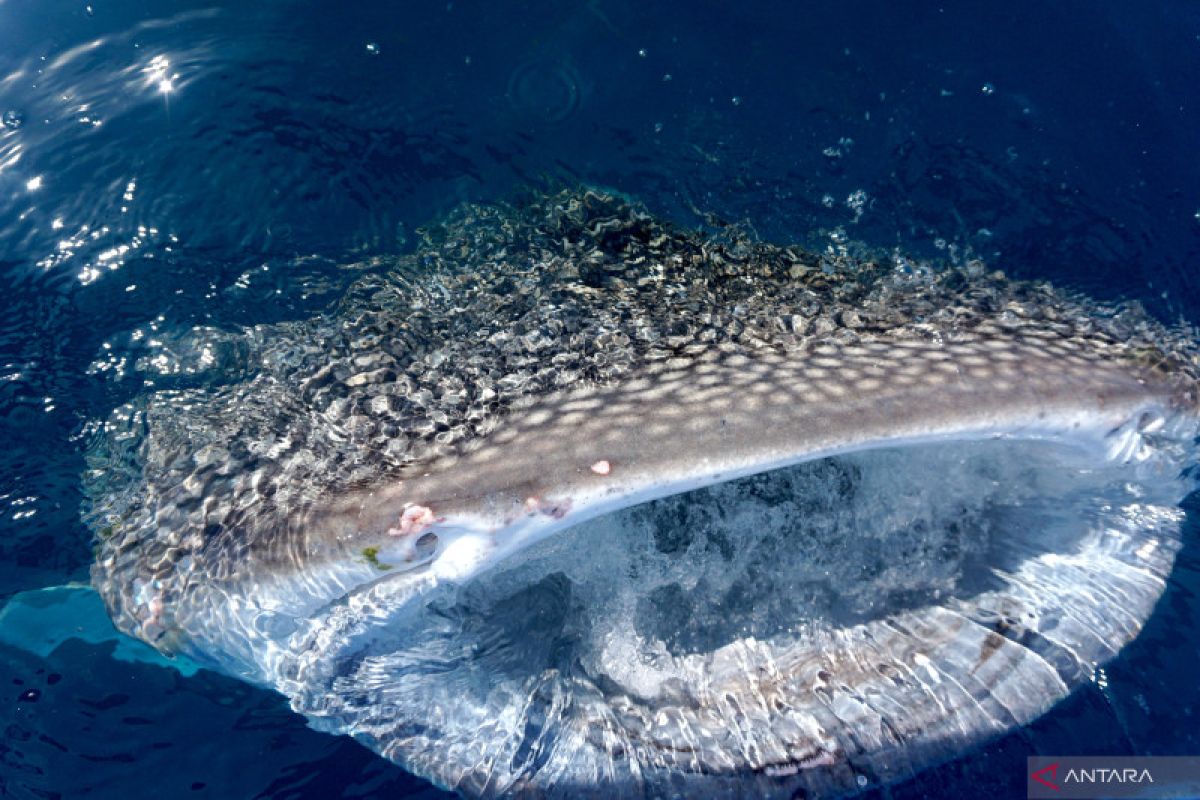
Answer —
40 621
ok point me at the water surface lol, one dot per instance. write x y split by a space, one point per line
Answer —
165 166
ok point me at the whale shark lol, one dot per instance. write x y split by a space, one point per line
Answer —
573 501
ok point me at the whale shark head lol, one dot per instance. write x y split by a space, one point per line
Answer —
572 502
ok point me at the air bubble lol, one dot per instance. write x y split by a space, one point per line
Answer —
373 48
987 88
13 119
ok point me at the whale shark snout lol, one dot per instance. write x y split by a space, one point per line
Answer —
575 503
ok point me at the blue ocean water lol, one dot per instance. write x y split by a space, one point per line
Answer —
168 165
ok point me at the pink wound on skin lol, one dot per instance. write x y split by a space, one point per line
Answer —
414 519
602 468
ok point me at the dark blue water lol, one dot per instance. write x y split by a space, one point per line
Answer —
172 164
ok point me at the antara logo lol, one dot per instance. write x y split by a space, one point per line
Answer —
1108 776
1047 776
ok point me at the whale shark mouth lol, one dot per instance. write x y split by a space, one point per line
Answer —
833 624
572 503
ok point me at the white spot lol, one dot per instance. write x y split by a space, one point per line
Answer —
1146 551
922 660
158 74
461 557
602 468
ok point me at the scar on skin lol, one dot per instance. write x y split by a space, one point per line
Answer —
414 519
534 505
602 468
